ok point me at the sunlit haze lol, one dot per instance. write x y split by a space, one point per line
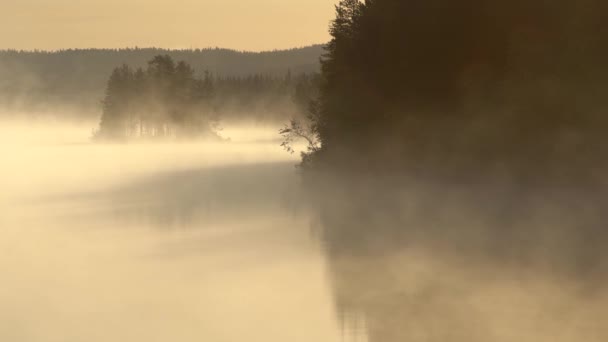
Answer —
236 24
303 171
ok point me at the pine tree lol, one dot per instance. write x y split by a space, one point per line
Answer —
118 98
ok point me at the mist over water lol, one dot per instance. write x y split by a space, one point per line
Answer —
223 241
432 261
155 242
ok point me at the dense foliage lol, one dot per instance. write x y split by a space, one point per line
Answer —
465 88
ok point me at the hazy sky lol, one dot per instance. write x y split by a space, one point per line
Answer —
239 24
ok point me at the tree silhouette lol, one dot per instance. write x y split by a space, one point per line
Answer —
167 100
74 79
119 96
463 89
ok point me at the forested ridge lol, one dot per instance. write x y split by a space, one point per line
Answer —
38 80
464 89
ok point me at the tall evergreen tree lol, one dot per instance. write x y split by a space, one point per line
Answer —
118 98
454 86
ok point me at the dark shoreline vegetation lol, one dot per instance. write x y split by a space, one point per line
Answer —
467 90
474 129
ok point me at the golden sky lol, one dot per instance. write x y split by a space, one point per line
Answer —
239 24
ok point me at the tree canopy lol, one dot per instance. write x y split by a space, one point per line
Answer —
464 87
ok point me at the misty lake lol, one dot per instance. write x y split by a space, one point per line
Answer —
213 241
156 242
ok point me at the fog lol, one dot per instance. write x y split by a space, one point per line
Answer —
224 240
155 242
418 259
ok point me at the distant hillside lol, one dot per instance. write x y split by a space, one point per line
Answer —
77 78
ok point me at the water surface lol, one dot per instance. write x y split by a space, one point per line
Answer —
155 242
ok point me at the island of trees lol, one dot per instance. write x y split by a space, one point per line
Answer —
168 100
71 81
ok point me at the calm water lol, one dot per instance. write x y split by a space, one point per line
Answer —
213 242
163 242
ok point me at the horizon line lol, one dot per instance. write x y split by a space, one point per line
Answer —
135 48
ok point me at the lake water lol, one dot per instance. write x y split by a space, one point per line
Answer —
214 242
156 242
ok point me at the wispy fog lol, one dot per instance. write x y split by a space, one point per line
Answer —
224 240
155 242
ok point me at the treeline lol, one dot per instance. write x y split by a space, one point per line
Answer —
38 80
464 89
168 100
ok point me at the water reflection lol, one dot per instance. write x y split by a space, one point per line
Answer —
157 243
195 242
430 262
199 197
